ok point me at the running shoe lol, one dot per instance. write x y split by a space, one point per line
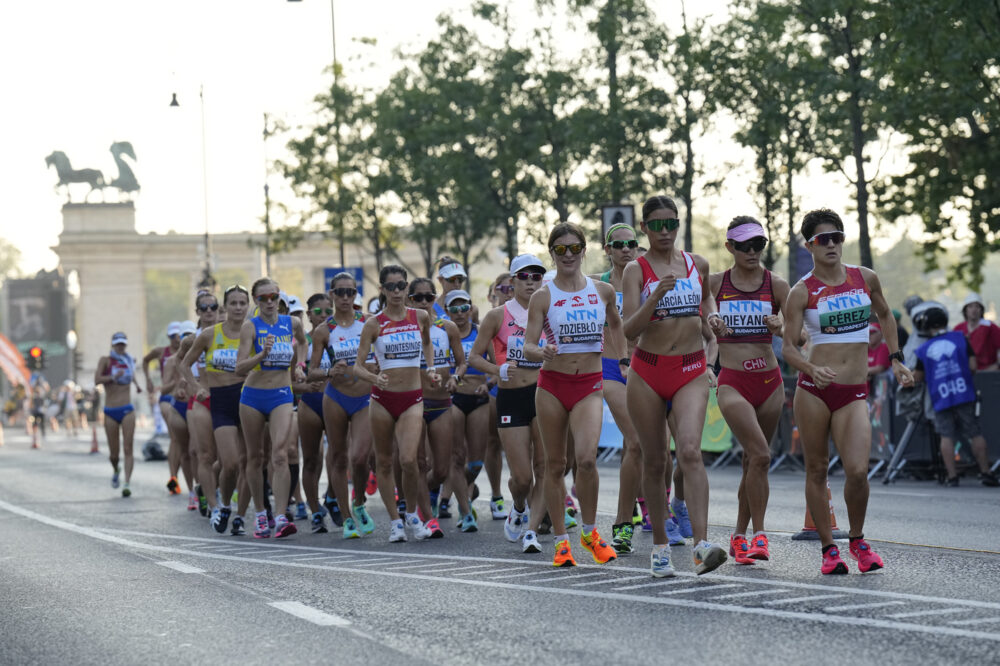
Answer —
443 509
832 563
334 510
192 502
563 556
674 536
636 515
283 527
126 491
646 525
435 528
114 477
739 548
365 522
545 527
263 530
621 538
220 518
301 513
659 563
270 519
473 492
417 527
318 524
681 516
868 559
372 486
759 547
202 500
397 533
598 547
401 506
468 523
350 530
497 508
513 527
173 487
237 527
569 519
570 506
529 544
707 557
951 482
435 496
989 479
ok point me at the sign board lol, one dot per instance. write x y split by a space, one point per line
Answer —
357 271
612 214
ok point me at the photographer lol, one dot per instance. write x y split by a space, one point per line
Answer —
947 361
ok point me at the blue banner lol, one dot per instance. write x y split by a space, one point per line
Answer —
357 271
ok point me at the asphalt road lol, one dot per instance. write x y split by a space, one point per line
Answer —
89 577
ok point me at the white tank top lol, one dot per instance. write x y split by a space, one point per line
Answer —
441 345
344 342
398 344
684 300
574 321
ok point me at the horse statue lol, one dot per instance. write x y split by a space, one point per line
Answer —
125 181
67 174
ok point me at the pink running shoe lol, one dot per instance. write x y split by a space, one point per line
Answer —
262 531
832 564
372 486
759 547
868 559
283 526
739 549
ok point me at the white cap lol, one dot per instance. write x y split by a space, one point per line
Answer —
522 261
457 294
283 297
973 297
173 328
359 302
451 270
119 339
295 305
188 327
549 276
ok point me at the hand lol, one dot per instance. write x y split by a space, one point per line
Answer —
268 343
773 323
482 389
903 374
339 368
382 380
712 381
202 395
823 376
665 284
718 325
549 352
298 374
507 372
433 376
451 385
316 386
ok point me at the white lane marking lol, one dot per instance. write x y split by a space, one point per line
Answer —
425 565
978 620
476 573
310 614
795 600
607 581
661 581
451 569
517 575
937 611
755 593
851 607
699 588
549 579
180 566
289 555
382 562
813 617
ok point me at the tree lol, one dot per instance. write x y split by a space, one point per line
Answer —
10 260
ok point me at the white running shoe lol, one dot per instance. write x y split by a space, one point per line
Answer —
513 527
529 543
397 533
707 557
497 509
417 527
659 563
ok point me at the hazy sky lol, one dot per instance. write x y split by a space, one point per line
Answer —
79 75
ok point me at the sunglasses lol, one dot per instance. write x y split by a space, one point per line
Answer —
622 244
456 309
395 286
756 244
235 287
319 311
819 240
424 297
344 291
504 288
660 225
269 298
455 278
534 277
205 308
574 248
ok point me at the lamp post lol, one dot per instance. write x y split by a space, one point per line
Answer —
207 279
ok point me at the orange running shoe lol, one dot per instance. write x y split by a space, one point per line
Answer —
759 547
739 548
372 486
563 557
598 547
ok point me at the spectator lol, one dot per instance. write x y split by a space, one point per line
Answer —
878 351
947 361
904 335
983 335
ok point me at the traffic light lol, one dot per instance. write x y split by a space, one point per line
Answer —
77 360
36 358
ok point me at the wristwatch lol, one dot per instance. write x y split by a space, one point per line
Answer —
896 356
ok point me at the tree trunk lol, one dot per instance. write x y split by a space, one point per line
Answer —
768 205
614 139
793 246
861 184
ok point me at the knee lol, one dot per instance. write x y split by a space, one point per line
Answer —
338 460
587 466
757 461
856 473
688 456
816 469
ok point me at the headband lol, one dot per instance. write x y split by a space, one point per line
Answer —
745 232
616 227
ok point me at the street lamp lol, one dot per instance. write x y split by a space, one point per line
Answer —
207 279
